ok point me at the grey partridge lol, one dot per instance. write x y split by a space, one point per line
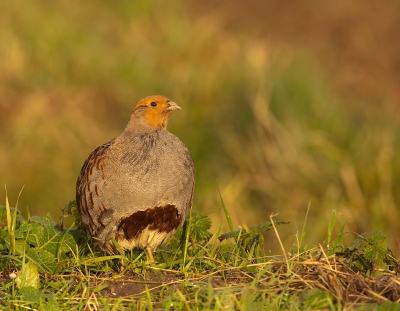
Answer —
137 188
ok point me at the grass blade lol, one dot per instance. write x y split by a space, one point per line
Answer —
228 217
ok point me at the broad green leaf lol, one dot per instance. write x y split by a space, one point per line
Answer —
375 237
200 226
375 254
30 293
44 259
33 233
43 243
28 276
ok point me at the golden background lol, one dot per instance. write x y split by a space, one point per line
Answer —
284 104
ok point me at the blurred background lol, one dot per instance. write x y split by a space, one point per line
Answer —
284 104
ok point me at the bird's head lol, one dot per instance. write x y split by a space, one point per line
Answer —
155 110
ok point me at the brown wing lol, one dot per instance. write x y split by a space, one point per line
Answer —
89 205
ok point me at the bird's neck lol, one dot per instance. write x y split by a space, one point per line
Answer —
138 125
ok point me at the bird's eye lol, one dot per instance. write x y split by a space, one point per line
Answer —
153 104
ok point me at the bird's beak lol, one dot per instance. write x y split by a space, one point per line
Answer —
173 106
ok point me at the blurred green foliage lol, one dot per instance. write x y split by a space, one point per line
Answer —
257 116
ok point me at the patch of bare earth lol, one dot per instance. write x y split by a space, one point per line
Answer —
131 284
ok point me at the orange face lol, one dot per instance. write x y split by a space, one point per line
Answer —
156 110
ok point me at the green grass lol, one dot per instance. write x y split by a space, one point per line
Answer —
268 131
44 266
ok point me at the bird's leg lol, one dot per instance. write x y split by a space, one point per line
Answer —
149 254
121 266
